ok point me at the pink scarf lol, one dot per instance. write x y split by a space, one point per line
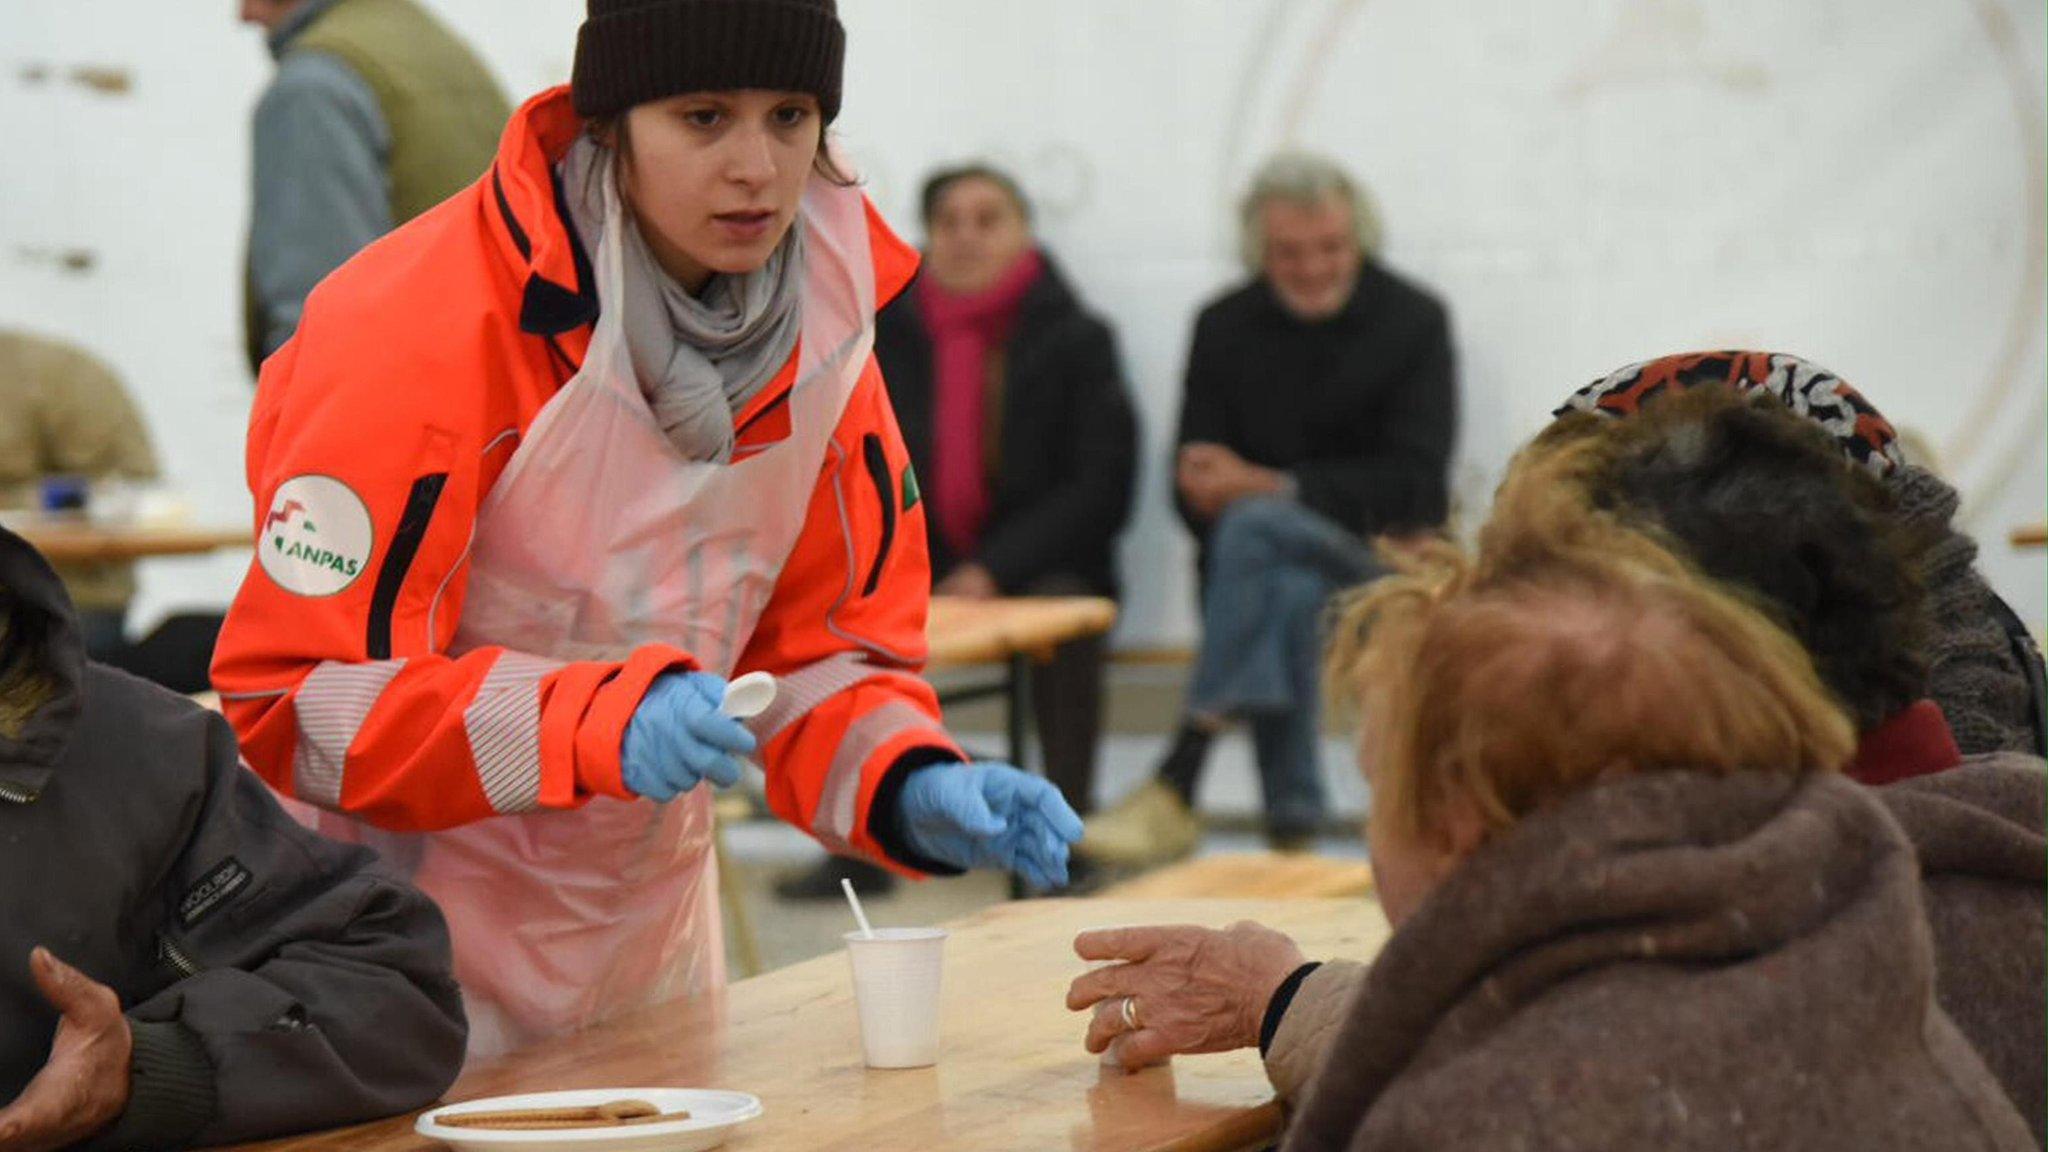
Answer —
967 330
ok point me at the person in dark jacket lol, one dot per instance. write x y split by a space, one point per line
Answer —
1012 402
1320 412
180 962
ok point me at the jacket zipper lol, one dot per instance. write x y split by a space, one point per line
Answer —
183 963
398 557
877 459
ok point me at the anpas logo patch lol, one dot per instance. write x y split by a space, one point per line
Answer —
317 538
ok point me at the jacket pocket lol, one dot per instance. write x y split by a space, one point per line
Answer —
877 459
420 503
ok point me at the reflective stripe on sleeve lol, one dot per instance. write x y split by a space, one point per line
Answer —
503 725
331 705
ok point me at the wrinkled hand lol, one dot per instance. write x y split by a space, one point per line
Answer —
678 738
84 1085
990 816
1197 989
1211 478
969 582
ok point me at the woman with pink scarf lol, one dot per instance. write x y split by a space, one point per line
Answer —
1012 401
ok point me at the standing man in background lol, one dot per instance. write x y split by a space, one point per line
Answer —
1320 412
377 113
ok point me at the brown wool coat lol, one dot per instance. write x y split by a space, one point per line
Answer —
1665 961
1978 831
1984 864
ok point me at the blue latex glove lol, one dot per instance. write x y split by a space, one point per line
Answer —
678 738
990 816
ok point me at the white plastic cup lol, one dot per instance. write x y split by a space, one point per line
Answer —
896 985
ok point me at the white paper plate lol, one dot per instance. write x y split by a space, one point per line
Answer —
713 1116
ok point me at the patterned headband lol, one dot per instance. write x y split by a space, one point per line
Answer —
1809 390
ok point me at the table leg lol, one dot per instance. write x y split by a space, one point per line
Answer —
1020 710
1020 733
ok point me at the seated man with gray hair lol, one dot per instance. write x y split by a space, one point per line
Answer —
1319 413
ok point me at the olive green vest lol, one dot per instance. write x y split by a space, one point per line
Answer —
444 110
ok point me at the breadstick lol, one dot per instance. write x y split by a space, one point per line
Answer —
537 1124
592 1115
657 1118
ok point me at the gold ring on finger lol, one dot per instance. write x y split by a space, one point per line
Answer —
1130 1014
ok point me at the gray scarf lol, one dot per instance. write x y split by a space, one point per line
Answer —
699 359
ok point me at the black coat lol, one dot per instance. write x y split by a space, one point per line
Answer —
1361 409
1069 440
274 981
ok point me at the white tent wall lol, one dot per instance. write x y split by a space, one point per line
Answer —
1586 182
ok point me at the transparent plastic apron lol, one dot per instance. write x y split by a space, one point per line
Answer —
599 538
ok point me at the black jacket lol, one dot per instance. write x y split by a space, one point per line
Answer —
1069 441
274 981
1361 409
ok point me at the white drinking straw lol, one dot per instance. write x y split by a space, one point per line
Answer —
859 916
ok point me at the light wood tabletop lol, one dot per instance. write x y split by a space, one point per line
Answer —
76 541
1012 1073
962 631
1250 876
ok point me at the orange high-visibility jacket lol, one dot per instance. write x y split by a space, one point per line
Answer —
416 369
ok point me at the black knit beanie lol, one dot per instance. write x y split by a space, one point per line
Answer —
633 51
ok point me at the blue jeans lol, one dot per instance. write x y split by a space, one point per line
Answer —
1271 568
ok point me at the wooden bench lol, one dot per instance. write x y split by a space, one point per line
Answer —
1012 634
1251 876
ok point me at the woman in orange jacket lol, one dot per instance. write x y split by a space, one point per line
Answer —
542 469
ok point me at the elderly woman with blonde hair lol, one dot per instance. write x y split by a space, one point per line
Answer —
1635 903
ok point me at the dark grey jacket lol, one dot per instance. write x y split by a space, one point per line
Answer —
275 981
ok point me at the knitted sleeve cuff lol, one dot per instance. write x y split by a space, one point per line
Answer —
170 1091
1276 1008
885 819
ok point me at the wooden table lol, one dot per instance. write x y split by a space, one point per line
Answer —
986 631
74 541
1012 632
1250 876
2030 536
1011 1074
